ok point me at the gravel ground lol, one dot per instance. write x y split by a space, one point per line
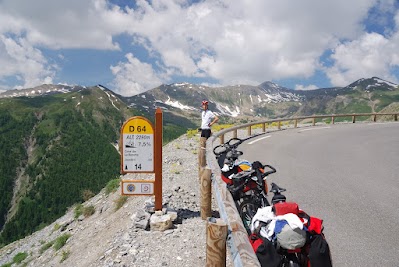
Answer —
109 236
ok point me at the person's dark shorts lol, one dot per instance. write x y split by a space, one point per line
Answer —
206 133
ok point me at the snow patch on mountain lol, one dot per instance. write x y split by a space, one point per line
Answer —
109 98
177 104
380 82
225 110
373 83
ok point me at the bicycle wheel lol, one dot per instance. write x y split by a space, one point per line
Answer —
247 209
290 263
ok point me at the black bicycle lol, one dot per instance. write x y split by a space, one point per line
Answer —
249 191
246 181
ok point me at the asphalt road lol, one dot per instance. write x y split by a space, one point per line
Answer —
345 174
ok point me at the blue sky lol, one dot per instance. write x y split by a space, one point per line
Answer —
134 46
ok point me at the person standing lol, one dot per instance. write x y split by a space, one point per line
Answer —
208 119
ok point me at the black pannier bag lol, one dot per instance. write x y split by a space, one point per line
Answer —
265 251
319 252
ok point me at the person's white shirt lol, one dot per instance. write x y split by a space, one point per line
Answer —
207 118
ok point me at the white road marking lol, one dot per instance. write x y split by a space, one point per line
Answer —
310 129
254 141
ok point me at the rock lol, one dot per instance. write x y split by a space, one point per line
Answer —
65 224
141 219
160 223
159 213
172 214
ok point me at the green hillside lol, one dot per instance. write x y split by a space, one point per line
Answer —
53 149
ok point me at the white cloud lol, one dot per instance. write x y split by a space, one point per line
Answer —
307 87
246 41
230 42
60 24
19 58
133 77
370 55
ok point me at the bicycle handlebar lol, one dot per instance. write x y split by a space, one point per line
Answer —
249 173
231 143
273 170
228 146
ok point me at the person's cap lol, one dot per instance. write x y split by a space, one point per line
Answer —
204 102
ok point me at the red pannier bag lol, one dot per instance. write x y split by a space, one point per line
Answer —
282 208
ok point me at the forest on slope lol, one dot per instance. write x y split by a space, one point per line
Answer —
56 151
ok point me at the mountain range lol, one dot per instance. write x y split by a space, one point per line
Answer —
244 101
59 142
268 100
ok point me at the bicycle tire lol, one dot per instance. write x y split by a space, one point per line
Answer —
247 210
291 264
292 261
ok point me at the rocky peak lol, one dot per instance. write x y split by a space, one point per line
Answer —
372 84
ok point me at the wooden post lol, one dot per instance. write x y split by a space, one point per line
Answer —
314 121
235 133
279 125
375 118
202 153
201 156
206 194
353 119
395 117
221 139
158 159
263 127
216 235
249 131
296 124
332 120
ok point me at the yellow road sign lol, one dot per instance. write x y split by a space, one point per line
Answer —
137 125
137 153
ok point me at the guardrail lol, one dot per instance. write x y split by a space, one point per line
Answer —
237 237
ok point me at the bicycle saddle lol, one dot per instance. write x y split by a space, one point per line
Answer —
277 189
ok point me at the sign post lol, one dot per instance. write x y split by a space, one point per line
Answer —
158 159
141 152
